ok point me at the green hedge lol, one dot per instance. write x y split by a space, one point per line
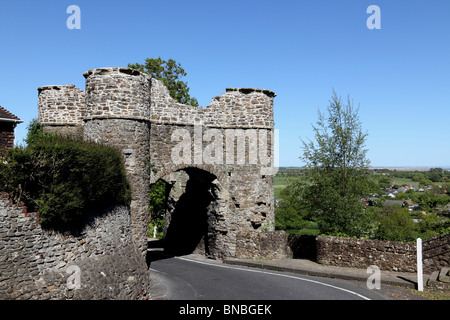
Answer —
63 178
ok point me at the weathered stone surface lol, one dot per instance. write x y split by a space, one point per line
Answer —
262 244
64 109
43 264
129 110
361 253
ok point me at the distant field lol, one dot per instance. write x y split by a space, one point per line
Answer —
280 183
410 168
402 181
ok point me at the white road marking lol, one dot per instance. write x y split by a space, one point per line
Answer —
276 274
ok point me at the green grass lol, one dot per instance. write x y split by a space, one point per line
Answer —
280 183
304 231
311 228
402 181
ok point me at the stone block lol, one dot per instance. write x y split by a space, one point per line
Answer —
444 275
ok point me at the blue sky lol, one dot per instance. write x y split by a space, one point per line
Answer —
399 74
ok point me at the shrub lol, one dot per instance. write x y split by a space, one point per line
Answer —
63 178
396 224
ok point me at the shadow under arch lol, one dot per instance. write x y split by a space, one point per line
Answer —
195 213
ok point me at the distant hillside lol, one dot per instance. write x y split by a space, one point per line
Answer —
410 168
387 167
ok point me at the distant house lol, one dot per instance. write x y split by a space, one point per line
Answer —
391 195
402 189
8 123
409 203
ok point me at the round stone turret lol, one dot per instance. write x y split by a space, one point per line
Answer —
61 109
117 93
118 114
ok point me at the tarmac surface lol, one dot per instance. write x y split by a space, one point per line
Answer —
396 285
307 267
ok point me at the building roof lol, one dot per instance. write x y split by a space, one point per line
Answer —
6 116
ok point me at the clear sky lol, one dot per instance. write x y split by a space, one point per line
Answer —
399 74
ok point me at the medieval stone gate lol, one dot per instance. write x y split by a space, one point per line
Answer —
219 159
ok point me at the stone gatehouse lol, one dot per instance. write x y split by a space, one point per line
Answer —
217 161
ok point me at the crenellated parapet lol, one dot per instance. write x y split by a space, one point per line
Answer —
117 93
236 108
226 148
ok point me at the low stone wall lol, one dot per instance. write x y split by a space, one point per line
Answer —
100 262
360 253
436 253
263 244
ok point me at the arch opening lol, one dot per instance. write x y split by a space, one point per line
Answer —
194 217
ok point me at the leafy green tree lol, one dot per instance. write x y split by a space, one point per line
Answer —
288 212
338 170
435 175
157 206
395 224
170 73
383 181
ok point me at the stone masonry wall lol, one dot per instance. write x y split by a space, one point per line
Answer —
98 263
360 253
263 245
117 114
246 190
61 108
436 253
236 108
129 110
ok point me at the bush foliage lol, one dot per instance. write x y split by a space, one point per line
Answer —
63 178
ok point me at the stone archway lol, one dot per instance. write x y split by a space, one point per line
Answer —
196 214
224 144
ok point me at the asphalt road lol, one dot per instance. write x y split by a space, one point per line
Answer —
184 278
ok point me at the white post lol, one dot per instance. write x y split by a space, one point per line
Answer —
154 232
419 265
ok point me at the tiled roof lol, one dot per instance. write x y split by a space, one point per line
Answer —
5 115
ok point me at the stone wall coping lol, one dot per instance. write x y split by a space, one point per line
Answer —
269 93
110 70
57 87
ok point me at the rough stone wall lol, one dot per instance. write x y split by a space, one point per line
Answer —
236 108
129 110
361 253
265 244
246 190
119 93
117 113
436 253
100 262
245 195
61 109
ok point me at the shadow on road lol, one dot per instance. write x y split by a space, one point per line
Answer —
157 251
